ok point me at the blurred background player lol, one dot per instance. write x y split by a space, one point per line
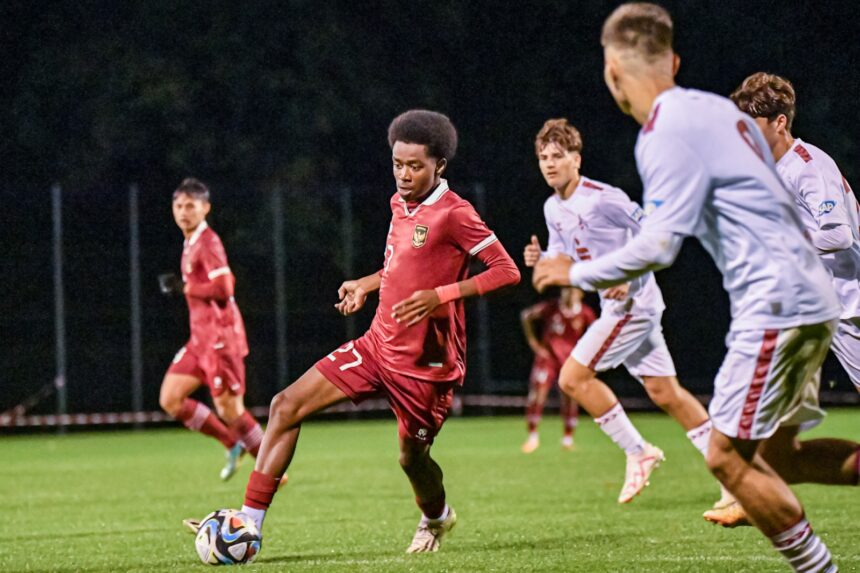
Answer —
707 172
827 205
588 219
551 328
414 352
215 353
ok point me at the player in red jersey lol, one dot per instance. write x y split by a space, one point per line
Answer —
414 352
215 353
561 322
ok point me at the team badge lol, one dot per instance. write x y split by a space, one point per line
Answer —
419 236
824 208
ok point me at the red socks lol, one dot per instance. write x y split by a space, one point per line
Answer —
261 489
248 430
198 417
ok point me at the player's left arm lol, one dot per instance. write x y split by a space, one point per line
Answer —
472 235
824 195
676 187
221 285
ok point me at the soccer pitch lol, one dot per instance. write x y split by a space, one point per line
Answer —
112 502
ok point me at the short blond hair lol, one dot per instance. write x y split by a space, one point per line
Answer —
641 26
560 132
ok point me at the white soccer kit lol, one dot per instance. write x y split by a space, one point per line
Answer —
828 205
707 172
595 220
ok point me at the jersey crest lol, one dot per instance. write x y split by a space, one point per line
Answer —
419 236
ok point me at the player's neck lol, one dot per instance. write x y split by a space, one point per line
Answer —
188 233
782 146
568 190
642 99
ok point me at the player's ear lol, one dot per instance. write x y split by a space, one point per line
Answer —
441 165
781 123
676 64
207 206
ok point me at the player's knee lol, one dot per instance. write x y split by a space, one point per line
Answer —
663 391
170 403
412 458
284 410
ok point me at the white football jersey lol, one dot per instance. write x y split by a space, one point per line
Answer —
825 199
708 172
594 221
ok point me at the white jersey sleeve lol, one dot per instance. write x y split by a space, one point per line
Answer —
676 185
824 195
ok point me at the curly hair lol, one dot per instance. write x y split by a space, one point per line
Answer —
766 95
425 127
192 187
560 132
642 26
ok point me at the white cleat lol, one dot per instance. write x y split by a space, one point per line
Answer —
233 456
639 468
191 525
530 445
567 443
430 533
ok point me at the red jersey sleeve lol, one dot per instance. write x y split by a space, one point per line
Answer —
468 230
213 258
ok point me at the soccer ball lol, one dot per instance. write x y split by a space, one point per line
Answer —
227 537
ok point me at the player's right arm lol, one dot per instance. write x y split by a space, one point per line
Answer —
528 318
353 293
825 198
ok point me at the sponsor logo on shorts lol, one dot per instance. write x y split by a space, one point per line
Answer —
218 382
826 207
419 236
652 206
422 434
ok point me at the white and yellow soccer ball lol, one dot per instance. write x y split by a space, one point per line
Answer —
227 537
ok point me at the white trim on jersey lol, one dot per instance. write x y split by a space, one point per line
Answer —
483 244
197 232
215 273
441 189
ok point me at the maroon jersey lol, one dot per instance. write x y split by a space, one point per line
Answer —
428 245
214 325
561 328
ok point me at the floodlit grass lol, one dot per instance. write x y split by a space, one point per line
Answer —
113 502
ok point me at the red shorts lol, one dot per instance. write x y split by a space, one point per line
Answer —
226 375
420 406
544 371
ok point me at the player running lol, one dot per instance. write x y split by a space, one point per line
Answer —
828 207
588 219
560 322
707 172
215 353
414 352
829 212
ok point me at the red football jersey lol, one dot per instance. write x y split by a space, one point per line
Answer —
427 246
214 325
561 328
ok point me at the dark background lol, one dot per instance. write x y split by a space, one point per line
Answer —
298 96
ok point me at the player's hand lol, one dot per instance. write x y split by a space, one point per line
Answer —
415 308
170 284
540 350
532 252
552 272
352 297
618 292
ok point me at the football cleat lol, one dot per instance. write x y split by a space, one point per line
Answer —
233 456
191 524
530 445
430 532
567 443
726 499
732 515
639 468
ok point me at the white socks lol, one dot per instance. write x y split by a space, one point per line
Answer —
620 430
701 436
258 515
803 549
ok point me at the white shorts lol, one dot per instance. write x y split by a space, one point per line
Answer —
846 347
770 378
633 340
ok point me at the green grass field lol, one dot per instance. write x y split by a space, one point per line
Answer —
112 502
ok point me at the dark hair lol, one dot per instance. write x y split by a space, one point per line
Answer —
560 132
645 27
766 95
425 127
192 187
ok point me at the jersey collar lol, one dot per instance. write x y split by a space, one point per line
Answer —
197 232
440 190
